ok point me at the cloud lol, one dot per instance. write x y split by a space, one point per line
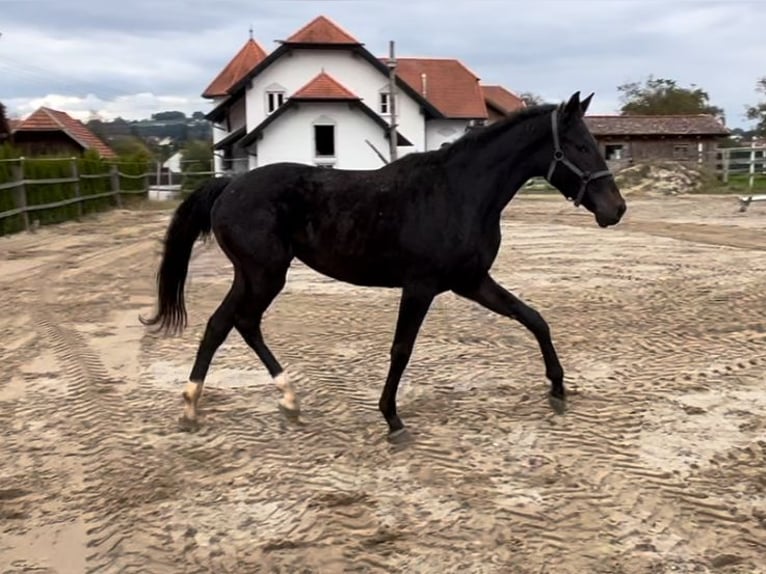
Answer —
124 58
128 107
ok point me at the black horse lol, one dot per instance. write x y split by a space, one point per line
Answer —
427 223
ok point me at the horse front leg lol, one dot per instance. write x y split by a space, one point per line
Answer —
413 307
494 297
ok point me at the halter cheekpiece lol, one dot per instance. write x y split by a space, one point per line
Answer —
558 157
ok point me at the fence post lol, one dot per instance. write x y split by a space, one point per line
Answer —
21 191
751 179
114 176
726 157
77 191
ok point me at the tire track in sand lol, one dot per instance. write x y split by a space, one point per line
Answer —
120 473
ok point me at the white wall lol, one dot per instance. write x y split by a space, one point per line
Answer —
291 137
296 69
439 132
173 163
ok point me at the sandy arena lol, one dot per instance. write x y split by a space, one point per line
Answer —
658 466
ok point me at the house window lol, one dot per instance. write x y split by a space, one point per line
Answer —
613 151
384 103
324 141
274 100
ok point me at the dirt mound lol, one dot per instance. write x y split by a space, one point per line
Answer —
661 178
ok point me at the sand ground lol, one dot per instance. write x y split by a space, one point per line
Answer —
658 466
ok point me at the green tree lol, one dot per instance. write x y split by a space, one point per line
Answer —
131 146
531 99
197 156
758 111
657 96
172 116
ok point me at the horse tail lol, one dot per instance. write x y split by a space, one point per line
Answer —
190 221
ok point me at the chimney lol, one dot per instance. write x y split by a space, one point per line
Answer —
424 84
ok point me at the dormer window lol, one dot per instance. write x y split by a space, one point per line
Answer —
274 99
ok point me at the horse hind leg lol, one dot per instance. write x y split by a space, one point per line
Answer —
264 282
218 327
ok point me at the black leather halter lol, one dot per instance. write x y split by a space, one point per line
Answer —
558 157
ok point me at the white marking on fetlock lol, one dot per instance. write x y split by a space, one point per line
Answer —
191 398
288 400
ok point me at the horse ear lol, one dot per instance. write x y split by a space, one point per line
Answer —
585 103
572 107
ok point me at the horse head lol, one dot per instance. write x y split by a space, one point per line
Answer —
578 169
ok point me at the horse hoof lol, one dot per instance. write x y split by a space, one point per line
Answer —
186 424
399 437
558 404
292 413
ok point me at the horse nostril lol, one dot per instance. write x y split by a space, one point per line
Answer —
621 209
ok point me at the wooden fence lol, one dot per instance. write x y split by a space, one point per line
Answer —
62 197
739 168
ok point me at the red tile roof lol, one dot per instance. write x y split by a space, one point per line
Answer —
324 86
503 100
13 124
449 86
667 125
321 30
248 57
46 119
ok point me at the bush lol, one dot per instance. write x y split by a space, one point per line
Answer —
57 168
7 196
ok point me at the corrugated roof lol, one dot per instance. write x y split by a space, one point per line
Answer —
47 119
322 30
248 57
325 87
669 125
448 85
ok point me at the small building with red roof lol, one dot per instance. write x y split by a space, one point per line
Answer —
320 97
52 132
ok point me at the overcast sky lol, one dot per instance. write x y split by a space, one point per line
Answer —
136 57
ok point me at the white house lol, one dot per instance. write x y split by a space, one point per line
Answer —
321 98
173 163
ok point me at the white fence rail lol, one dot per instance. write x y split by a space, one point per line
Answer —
747 163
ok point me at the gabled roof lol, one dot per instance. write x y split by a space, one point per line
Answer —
446 83
339 40
248 57
322 30
502 99
48 120
324 87
660 125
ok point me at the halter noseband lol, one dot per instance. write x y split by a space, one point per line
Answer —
558 157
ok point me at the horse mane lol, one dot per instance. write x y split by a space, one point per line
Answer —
479 136
473 138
